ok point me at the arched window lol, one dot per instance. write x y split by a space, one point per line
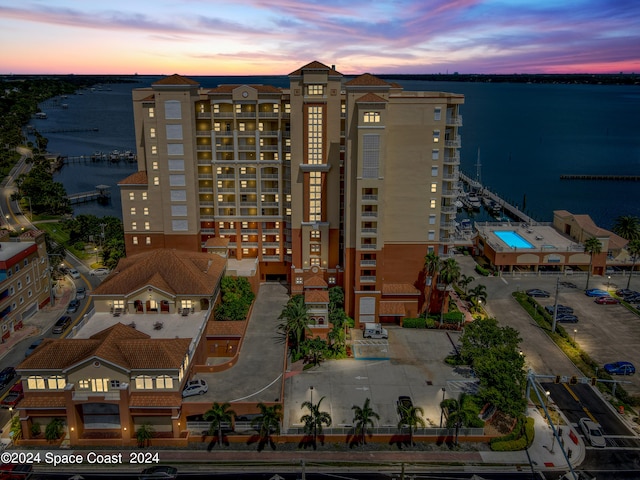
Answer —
36 382
57 382
144 382
164 381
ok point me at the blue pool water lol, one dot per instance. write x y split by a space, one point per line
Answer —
512 239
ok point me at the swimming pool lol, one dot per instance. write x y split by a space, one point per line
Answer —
512 239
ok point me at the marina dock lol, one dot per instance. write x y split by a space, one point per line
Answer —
101 193
508 209
631 178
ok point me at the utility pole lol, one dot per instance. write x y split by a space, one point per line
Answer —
555 307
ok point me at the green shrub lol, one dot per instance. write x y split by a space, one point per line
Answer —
414 323
453 317
483 271
519 439
430 323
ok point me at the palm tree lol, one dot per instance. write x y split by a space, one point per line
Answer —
314 420
296 324
144 434
464 282
460 412
219 413
628 227
410 416
633 248
478 294
592 246
267 423
431 267
449 274
362 417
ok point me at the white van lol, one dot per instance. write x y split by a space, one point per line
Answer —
374 330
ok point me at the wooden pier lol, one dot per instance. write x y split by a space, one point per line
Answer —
101 194
624 178
510 210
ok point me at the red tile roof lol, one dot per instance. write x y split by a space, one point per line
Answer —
315 65
315 281
138 178
371 98
316 296
226 328
51 400
366 79
227 89
216 242
395 309
176 272
175 79
155 400
399 289
119 344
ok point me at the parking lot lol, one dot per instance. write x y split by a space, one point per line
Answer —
415 368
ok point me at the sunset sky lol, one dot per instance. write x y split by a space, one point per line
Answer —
241 37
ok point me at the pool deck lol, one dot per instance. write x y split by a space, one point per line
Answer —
543 237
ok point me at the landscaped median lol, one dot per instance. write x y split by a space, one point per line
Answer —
588 366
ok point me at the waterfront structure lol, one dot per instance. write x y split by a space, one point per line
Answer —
24 279
332 181
556 246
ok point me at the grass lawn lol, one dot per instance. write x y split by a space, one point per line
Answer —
61 237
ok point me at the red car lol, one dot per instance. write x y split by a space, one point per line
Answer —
607 300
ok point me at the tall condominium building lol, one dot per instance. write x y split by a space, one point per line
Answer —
332 181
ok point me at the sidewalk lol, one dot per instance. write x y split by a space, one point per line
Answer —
42 320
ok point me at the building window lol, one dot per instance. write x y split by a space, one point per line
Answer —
99 384
156 180
154 149
134 225
315 248
434 171
331 280
36 382
432 203
56 382
148 240
144 382
315 234
144 195
147 226
315 196
437 112
145 211
299 281
177 180
19 285
135 240
132 196
370 156
179 225
314 135
435 154
28 279
164 382
371 117
154 166
431 235
114 384
434 188
152 112
133 210
152 132
436 136
172 110
315 89
432 219
83 384
315 262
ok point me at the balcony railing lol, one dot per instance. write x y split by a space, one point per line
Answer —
456 142
370 198
454 120
368 246
451 160
367 279
203 148
369 214
367 263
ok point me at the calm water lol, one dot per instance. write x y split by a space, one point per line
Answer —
528 135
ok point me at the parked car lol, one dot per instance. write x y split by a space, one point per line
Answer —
568 284
6 375
73 306
403 404
606 300
536 292
195 387
561 309
625 292
567 318
13 397
620 368
32 347
596 292
81 292
74 273
62 324
592 433
158 471
99 271
15 471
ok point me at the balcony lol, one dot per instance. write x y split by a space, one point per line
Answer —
454 120
203 148
369 231
450 193
367 279
203 133
369 214
204 115
455 142
367 263
270 258
268 114
223 114
451 160
368 246
369 198
83 396
448 209
225 175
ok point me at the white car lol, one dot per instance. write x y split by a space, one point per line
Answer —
99 271
592 432
74 273
195 387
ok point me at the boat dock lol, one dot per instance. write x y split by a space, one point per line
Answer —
510 210
101 193
632 178
114 157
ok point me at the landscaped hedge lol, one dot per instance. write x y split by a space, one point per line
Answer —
519 439
453 317
483 271
414 323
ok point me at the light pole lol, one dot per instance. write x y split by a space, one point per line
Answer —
575 330
608 282
547 393
30 210
444 391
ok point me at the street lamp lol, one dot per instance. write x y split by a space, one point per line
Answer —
444 391
608 282
575 330
547 393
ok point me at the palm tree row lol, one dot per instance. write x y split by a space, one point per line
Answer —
628 227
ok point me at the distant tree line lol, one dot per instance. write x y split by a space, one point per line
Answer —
580 78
